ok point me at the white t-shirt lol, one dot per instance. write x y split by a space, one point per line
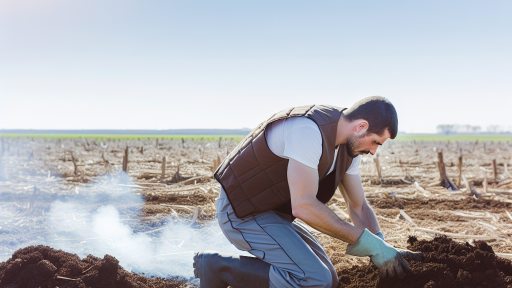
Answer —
299 138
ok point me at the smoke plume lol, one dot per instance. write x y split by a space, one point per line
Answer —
98 218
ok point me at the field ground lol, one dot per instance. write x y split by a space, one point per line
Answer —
407 199
122 137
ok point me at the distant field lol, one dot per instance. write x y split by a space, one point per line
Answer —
401 137
124 137
455 137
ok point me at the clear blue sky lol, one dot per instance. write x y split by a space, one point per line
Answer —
165 64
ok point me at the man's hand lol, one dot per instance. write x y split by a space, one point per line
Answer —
388 259
416 256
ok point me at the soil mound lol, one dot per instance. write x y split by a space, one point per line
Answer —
469 203
445 264
45 267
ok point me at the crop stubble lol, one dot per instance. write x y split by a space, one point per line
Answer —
433 207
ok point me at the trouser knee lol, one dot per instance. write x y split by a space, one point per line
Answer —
320 278
327 279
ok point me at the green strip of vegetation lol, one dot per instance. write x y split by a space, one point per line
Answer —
401 137
455 137
123 137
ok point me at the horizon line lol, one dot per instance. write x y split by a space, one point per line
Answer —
192 131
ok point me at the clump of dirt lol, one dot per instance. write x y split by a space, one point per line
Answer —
191 199
183 204
445 264
148 176
468 203
177 177
42 266
480 182
387 182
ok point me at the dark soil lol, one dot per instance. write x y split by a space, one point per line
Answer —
469 203
153 201
387 182
45 267
445 264
191 199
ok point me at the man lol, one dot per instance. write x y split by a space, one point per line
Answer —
287 168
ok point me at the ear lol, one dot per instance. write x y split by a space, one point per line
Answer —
361 126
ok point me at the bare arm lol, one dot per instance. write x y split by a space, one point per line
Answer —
360 212
303 182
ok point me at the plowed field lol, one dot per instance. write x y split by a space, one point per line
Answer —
407 197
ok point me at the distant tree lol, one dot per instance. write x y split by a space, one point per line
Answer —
466 128
446 128
441 128
493 128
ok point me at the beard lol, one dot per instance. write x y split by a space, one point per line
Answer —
352 144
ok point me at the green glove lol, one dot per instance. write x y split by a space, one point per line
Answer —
416 256
388 259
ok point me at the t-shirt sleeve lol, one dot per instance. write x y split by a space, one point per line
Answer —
354 167
304 144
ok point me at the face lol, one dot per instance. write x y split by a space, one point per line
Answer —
365 143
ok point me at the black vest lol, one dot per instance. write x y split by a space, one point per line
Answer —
255 179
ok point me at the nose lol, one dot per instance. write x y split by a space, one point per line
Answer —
374 149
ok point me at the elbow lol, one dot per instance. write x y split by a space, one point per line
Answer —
299 209
304 206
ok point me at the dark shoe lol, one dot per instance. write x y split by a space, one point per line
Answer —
216 270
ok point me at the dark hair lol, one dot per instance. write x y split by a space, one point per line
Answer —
379 113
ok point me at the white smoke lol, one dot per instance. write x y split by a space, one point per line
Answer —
103 218
103 232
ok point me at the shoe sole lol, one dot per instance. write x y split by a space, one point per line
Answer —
197 264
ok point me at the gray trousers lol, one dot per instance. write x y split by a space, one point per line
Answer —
297 259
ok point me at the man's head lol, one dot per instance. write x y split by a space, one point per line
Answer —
373 120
